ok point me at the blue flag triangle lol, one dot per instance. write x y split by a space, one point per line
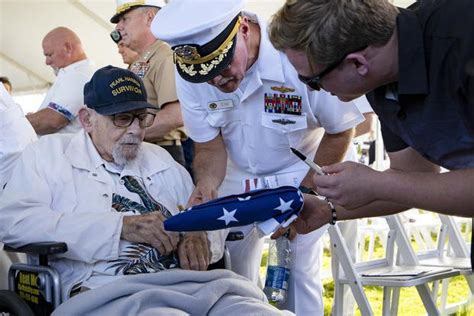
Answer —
239 210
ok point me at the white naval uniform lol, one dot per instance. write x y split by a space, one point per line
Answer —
16 134
258 144
66 95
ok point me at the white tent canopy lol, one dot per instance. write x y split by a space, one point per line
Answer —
24 23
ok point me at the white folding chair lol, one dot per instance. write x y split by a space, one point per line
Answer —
450 251
386 272
369 229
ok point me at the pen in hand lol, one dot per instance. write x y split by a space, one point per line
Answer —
309 162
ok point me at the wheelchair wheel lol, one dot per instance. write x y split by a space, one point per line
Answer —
11 303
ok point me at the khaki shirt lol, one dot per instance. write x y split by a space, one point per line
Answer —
156 68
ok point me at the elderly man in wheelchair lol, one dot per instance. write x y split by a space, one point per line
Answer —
105 194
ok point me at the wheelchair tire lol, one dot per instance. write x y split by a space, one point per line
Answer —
11 303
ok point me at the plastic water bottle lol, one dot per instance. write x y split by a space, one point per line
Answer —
278 271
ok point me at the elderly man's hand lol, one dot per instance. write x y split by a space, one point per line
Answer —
315 213
194 252
204 191
149 229
348 184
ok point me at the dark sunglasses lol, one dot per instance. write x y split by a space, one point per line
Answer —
314 82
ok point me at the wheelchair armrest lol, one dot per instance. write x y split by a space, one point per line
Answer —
40 248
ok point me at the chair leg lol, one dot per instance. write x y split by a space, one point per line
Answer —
434 290
338 299
395 301
340 249
387 297
444 295
470 282
426 297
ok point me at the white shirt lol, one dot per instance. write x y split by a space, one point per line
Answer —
16 133
68 197
66 95
257 141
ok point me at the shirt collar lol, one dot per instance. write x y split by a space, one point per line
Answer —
146 56
412 65
88 160
269 60
84 62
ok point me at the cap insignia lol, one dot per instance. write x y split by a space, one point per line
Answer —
187 53
186 56
205 67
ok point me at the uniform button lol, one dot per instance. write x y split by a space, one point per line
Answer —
121 181
94 174
105 195
148 178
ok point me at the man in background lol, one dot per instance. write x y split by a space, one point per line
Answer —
58 111
155 68
129 56
7 84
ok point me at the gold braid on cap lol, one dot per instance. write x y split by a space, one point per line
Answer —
188 55
124 7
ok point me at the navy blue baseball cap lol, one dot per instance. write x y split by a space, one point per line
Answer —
113 90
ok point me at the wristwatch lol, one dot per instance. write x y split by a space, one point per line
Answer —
306 190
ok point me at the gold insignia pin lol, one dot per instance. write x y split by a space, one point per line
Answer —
282 89
187 53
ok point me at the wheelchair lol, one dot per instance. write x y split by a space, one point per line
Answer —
36 289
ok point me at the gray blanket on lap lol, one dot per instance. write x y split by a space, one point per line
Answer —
173 292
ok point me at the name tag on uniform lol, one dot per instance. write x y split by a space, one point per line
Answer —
220 105
260 183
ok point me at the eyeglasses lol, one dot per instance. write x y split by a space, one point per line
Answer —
314 82
126 119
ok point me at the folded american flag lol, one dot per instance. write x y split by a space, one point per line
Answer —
269 208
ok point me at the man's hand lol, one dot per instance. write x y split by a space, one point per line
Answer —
348 184
194 252
284 230
204 191
149 229
315 214
209 165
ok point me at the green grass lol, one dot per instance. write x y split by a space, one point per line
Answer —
410 302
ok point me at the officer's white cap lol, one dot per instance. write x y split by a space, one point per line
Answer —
126 5
194 21
202 34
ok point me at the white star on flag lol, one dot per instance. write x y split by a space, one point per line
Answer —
228 216
247 198
284 206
